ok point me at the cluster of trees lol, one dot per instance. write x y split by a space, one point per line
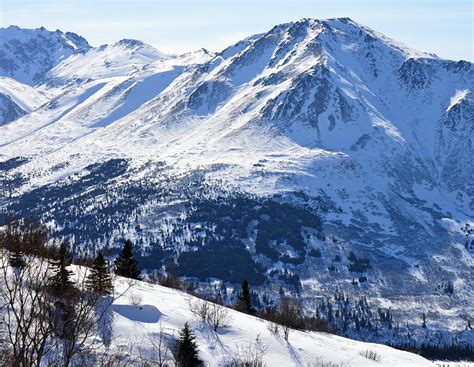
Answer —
451 352
46 313
283 318
339 314
50 312
354 318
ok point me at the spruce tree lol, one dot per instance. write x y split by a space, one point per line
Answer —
99 280
186 351
244 302
16 258
125 265
61 283
65 318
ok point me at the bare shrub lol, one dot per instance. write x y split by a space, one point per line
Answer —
25 305
274 327
120 356
161 353
219 316
370 354
199 309
135 298
28 236
86 313
250 356
211 313
289 315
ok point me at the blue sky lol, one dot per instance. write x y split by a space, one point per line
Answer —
444 27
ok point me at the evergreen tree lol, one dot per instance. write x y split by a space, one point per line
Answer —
65 318
244 302
99 280
424 321
61 283
186 351
12 240
125 265
16 258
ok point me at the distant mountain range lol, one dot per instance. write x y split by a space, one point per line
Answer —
319 155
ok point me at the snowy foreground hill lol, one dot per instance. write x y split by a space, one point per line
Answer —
166 310
320 157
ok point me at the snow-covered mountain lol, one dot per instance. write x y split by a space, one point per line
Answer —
321 154
120 59
27 54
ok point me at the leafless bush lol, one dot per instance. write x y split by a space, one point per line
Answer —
214 314
370 354
199 309
117 357
135 298
161 353
274 327
250 356
28 236
25 306
219 316
288 315
5 352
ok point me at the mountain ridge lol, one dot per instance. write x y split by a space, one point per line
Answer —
374 138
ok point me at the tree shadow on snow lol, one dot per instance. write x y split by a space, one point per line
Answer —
212 338
295 356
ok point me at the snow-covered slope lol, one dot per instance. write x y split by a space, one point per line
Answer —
166 310
314 119
120 59
93 88
18 99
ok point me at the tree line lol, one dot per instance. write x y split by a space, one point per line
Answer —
52 310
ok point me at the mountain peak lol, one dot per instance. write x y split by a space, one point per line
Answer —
136 46
132 43
29 53
22 34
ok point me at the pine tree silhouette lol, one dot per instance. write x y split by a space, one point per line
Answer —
244 302
99 280
125 265
61 283
16 259
186 352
